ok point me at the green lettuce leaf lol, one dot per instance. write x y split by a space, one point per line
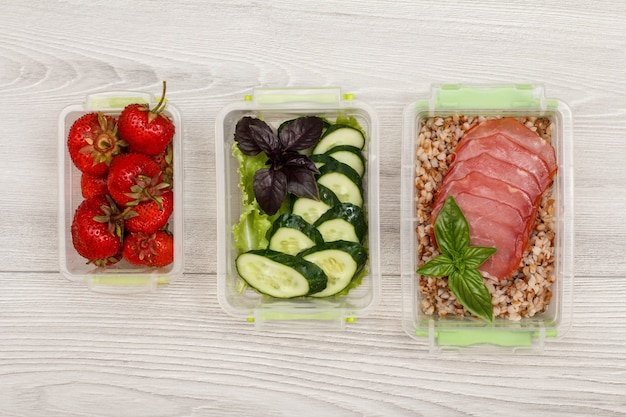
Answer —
251 230
350 121
248 165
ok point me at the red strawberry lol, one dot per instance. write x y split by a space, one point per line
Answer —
155 249
97 230
146 130
93 142
91 185
133 178
148 217
166 161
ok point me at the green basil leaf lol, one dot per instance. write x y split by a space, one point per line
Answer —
439 266
452 230
468 287
475 256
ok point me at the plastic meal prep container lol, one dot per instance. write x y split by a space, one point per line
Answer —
121 277
275 106
463 334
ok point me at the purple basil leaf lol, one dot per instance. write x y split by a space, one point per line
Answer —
302 133
293 159
243 136
301 182
266 140
270 189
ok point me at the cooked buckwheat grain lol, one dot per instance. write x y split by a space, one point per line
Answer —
529 290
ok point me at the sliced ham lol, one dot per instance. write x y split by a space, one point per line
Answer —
522 135
503 148
480 185
499 171
501 231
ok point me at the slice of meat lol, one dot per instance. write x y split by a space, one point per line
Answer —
480 185
519 133
501 231
497 177
503 148
496 168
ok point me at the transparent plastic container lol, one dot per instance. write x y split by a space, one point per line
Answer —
465 334
122 277
275 106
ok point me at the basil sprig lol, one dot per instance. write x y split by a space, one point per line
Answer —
288 171
459 261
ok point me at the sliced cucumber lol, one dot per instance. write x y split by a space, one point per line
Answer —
342 222
322 159
343 181
349 155
280 275
311 210
337 135
291 234
341 261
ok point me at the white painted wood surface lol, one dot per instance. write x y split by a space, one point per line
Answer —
67 352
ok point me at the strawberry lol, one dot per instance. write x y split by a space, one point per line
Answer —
156 249
166 161
148 217
146 130
97 230
91 185
93 142
135 177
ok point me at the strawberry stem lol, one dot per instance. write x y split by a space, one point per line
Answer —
160 106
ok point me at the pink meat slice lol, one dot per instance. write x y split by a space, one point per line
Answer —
501 147
499 169
501 231
480 185
519 133
497 179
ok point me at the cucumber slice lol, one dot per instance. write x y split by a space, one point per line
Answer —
342 222
341 261
339 134
343 181
349 155
291 234
322 159
280 275
311 210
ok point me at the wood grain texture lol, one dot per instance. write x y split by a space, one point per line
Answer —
67 352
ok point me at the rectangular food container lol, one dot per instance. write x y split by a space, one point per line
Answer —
275 106
462 334
121 277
